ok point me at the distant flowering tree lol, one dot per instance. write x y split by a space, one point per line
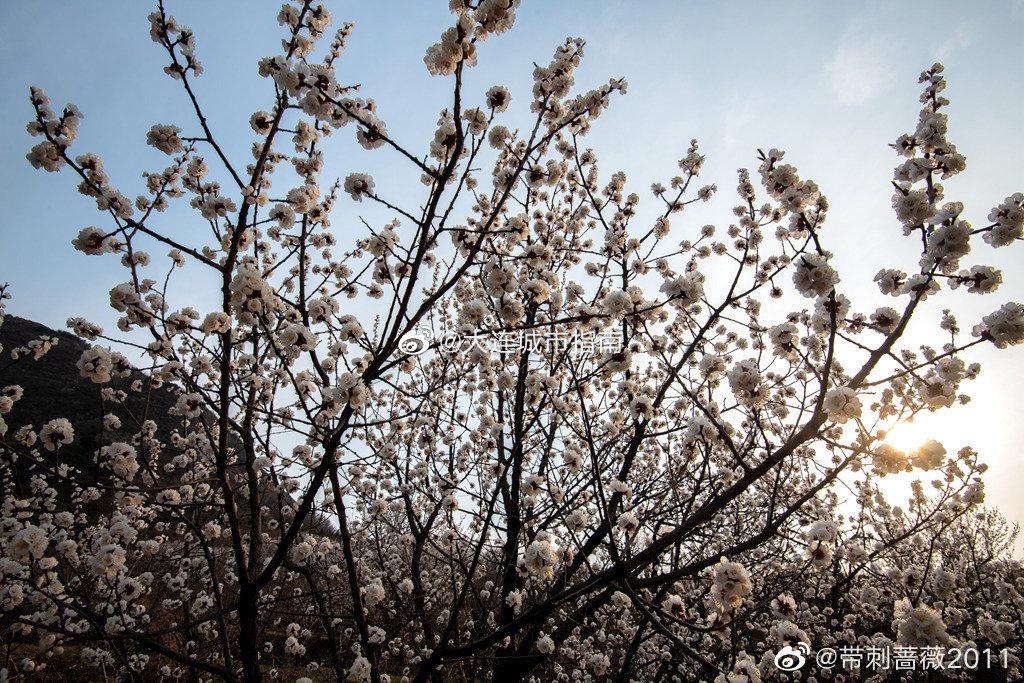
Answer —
451 490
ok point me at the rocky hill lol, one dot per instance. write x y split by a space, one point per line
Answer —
54 388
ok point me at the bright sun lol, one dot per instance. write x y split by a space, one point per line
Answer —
908 435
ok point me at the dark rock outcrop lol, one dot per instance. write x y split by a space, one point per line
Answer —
54 388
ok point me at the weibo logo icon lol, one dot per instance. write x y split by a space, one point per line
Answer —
792 658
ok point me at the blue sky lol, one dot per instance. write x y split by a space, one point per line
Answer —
830 83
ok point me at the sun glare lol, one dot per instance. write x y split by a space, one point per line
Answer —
907 436
945 428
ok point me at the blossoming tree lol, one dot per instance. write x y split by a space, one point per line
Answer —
408 494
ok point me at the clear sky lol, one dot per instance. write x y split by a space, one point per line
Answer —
832 84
